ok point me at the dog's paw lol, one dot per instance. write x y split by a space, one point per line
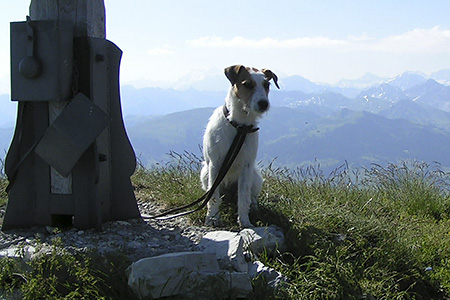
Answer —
245 222
213 221
254 206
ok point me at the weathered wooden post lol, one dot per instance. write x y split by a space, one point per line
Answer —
70 159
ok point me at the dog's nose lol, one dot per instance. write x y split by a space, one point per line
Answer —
263 104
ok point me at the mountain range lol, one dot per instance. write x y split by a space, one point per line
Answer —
298 136
403 118
295 90
359 122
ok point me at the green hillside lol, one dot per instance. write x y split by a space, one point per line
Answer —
362 138
296 136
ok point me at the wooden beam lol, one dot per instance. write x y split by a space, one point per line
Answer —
88 17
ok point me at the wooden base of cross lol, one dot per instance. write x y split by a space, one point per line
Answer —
70 159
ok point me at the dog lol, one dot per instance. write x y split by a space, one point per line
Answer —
247 100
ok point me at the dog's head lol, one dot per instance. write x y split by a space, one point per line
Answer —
251 86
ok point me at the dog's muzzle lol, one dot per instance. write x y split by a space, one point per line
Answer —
263 105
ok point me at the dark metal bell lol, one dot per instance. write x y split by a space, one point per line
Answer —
30 67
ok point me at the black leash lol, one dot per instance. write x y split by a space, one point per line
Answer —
242 131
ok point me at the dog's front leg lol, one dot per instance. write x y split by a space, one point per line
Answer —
213 214
244 196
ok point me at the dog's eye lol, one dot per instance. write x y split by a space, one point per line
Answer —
248 84
266 85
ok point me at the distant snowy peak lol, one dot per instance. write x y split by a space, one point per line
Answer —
429 86
364 82
206 79
407 80
431 93
213 79
442 76
385 91
299 83
404 82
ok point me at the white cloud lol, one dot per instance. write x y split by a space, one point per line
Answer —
434 40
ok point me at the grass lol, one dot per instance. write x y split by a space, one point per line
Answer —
173 184
376 233
58 274
379 234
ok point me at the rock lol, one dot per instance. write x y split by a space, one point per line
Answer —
259 239
135 239
121 237
256 268
163 276
228 248
240 285
22 255
192 274
271 276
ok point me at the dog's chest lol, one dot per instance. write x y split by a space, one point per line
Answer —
246 156
219 136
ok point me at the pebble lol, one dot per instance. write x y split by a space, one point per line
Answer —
135 238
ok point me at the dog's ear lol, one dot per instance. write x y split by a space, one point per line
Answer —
271 75
233 72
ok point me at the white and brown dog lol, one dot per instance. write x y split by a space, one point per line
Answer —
245 103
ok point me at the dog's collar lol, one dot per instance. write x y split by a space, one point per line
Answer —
248 128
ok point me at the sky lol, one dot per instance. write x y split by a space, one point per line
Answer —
170 41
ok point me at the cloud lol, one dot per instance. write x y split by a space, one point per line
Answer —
434 40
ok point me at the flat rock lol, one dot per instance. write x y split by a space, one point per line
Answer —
271 276
191 274
260 239
164 275
228 247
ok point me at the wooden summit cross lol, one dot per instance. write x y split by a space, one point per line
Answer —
70 159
